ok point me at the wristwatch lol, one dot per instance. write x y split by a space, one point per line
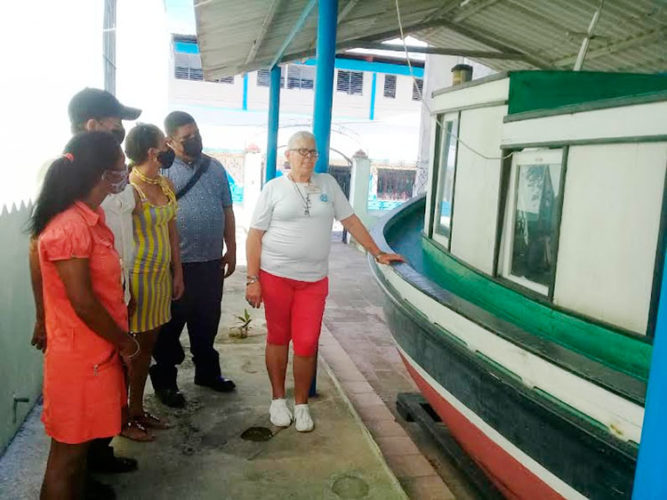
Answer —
251 279
377 257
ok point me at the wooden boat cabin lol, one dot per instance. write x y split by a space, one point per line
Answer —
527 310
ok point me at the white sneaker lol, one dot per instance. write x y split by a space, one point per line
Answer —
280 414
304 423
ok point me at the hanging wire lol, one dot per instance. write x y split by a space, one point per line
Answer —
451 135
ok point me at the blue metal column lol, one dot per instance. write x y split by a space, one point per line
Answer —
650 478
274 114
327 21
371 115
245 92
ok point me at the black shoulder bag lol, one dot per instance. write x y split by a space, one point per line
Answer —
195 177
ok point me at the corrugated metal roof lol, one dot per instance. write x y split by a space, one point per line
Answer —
631 35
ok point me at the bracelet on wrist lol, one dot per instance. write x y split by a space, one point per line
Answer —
251 279
137 346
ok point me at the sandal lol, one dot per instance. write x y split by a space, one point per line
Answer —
136 431
152 422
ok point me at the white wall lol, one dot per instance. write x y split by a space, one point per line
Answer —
52 50
400 107
353 106
477 187
609 231
392 136
225 95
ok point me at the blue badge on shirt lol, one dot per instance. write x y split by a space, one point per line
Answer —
324 197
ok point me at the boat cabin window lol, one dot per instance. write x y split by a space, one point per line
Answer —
531 220
445 169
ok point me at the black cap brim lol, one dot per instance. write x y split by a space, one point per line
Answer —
128 113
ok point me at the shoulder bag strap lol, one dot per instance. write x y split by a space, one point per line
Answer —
195 177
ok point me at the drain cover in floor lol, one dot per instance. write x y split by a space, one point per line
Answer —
350 487
257 434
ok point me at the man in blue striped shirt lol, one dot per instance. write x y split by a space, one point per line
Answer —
206 227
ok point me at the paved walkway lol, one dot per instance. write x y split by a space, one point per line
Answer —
354 317
204 455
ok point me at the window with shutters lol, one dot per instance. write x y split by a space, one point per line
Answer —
417 89
390 86
225 79
300 77
264 78
109 45
188 66
187 62
350 82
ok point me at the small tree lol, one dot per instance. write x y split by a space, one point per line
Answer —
244 325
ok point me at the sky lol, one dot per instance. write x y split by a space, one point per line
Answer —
181 17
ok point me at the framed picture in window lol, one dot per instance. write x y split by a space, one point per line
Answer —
532 218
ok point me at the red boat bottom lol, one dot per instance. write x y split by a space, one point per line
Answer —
512 478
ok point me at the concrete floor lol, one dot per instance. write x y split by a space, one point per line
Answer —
203 455
355 319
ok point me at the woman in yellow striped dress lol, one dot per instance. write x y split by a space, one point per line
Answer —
157 276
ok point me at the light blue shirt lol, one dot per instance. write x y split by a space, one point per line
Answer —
201 216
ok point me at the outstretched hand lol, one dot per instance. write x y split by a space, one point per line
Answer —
388 258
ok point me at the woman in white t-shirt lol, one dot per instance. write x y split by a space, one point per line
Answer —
288 260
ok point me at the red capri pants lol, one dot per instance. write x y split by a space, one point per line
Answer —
293 311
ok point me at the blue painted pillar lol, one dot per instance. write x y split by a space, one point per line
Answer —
327 20
245 92
274 114
371 115
650 477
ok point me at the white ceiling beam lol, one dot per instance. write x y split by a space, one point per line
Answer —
611 48
485 54
263 29
347 9
494 42
341 17
298 26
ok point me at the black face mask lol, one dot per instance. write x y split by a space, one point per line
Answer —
192 146
166 158
118 133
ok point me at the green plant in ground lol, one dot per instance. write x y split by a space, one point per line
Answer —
244 325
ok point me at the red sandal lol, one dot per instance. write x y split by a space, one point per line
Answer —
136 431
152 422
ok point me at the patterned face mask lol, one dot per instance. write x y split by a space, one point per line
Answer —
117 179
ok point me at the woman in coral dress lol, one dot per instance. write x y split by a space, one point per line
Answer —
86 317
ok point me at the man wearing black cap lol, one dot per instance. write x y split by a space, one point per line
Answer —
89 110
95 109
